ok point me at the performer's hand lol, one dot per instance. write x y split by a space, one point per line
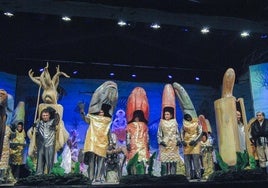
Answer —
184 143
163 144
193 143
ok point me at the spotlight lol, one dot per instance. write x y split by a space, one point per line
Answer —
111 74
197 78
205 30
133 75
155 26
122 23
41 70
66 18
244 34
170 76
9 14
75 72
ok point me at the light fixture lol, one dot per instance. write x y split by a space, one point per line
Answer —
205 30
244 34
170 76
111 73
121 23
133 75
155 26
75 72
66 18
9 14
197 78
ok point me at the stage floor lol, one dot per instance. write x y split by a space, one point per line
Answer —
190 184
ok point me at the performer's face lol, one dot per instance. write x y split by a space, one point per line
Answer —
260 116
101 113
167 115
45 116
19 127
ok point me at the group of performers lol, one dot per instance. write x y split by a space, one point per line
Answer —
103 154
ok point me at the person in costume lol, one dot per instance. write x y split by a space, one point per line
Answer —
46 140
207 156
138 138
17 147
5 171
96 142
241 132
259 137
191 134
169 141
113 160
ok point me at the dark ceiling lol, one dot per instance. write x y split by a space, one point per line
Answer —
94 44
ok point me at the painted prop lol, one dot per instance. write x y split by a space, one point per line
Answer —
137 131
50 98
226 120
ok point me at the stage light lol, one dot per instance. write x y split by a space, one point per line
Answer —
75 72
155 26
66 18
9 14
41 70
111 74
197 78
121 23
133 75
205 30
170 76
244 34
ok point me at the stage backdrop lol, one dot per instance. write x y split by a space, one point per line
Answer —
259 87
74 91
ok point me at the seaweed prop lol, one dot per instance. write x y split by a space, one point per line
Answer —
252 162
224 166
241 160
57 169
30 164
151 163
132 163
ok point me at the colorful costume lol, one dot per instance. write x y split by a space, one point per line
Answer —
191 133
137 139
207 158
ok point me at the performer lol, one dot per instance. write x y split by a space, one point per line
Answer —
49 97
99 119
96 143
241 132
169 141
46 140
113 160
207 156
17 147
3 117
138 139
259 136
5 171
191 134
